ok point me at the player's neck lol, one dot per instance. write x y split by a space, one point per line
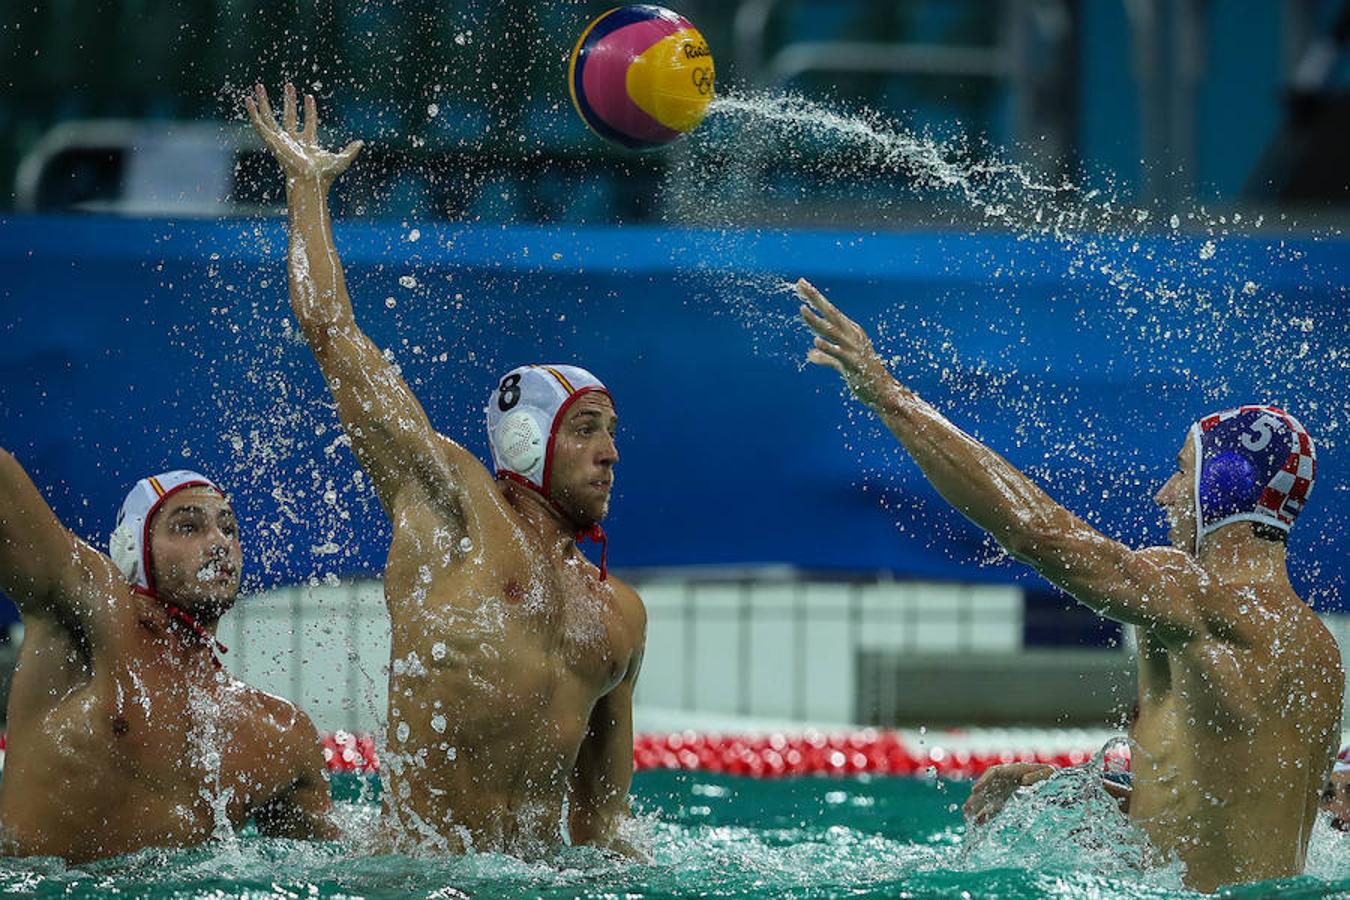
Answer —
1234 554
544 516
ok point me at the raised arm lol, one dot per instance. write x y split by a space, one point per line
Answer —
1157 588
44 568
390 433
598 792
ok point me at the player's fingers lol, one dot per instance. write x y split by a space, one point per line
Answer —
821 358
977 791
288 110
266 108
311 135
349 152
814 320
838 351
846 340
970 807
809 292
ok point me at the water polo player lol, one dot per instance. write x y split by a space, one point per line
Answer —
1240 684
513 658
124 731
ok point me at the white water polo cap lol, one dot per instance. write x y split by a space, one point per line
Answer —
129 545
523 416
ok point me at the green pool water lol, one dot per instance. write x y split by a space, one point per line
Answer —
709 836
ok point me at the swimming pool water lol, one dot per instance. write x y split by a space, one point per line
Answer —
708 835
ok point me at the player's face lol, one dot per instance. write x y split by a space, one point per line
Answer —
1335 799
194 552
584 455
1177 498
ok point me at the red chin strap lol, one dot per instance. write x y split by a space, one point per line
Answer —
207 640
593 533
205 637
597 534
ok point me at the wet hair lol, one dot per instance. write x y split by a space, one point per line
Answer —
1269 533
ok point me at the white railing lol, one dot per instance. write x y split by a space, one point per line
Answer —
760 644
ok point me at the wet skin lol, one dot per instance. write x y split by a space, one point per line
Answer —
1239 713
117 711
1240 684
512 663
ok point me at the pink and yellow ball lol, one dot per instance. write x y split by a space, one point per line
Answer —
641 76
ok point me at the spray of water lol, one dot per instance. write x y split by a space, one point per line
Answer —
1165 290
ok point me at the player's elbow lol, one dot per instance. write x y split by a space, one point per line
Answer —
595 825
317 326
583 825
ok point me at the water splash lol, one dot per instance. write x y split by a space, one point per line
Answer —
707 835
206 740
1166 291
1069 823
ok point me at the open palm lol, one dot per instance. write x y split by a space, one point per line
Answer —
297 149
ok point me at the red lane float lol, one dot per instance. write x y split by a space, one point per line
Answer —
347 752
869 751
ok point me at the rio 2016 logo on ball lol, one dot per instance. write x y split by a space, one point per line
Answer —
641 76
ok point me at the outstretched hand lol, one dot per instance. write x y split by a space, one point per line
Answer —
842 345
297 149
997 786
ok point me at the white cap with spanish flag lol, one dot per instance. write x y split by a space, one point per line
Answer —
129 545
523 415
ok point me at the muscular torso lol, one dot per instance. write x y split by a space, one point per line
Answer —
1234 736
139 743
500 653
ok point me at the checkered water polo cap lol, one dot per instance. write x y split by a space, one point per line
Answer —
523 415
1253 464
129 545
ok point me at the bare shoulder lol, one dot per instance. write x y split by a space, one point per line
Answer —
103 606
91 589
629 602
465 464
1176 574
277 720
1318 643
1168 559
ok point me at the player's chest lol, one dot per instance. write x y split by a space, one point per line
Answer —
152 714
577 624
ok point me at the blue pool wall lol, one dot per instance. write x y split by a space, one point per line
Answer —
135 346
